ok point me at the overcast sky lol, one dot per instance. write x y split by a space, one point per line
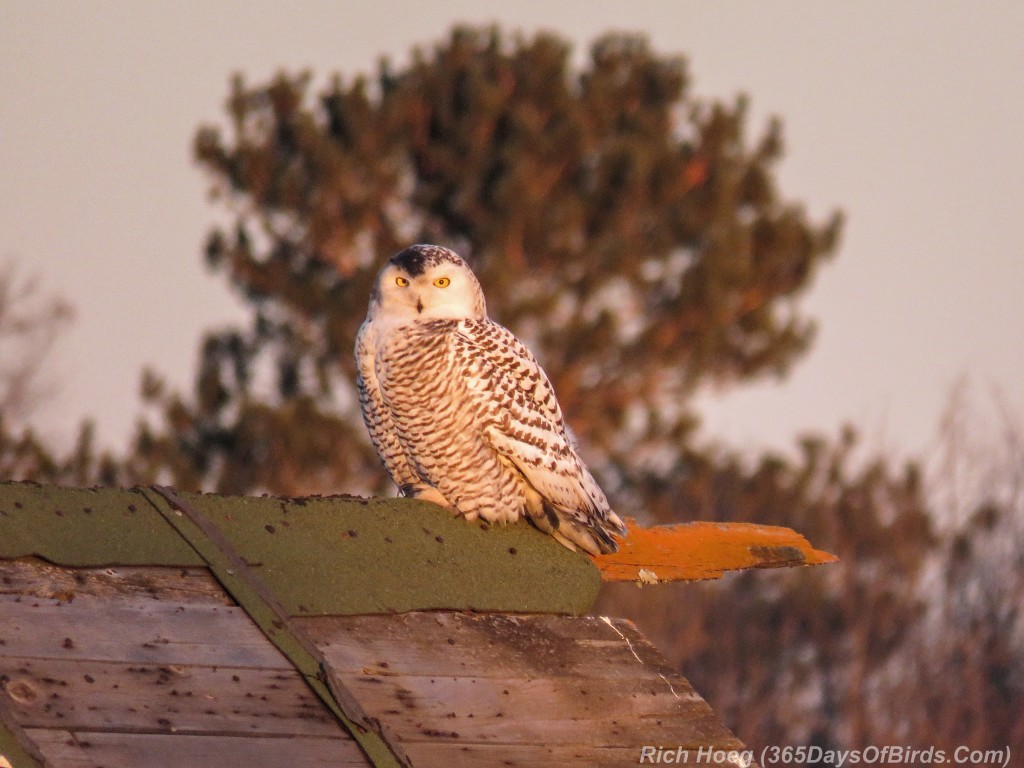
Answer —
907 115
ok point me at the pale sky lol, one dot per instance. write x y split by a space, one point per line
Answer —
907 115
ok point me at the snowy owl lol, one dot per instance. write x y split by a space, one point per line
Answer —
460 411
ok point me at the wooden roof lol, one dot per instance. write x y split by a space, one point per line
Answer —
150 666
145 628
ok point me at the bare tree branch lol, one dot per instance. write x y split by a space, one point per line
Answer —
30 322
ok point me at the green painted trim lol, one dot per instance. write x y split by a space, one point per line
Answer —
238 578
16 752
373 745
86 528
343 556
317 556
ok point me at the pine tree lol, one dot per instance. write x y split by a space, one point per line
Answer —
628 231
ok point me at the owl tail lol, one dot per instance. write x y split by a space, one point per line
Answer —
572 528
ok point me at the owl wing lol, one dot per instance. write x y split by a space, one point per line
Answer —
377 416
523 422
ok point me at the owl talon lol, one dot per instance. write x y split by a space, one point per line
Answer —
425 492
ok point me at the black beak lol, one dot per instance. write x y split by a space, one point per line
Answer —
419 306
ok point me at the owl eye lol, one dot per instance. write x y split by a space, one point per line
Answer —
442 282
401 282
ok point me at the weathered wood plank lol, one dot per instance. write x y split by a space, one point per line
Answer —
547 718
485 645
546 729
37 578
486 699
91 695
128 750
529 756
530 681
160 623
135 629
152 666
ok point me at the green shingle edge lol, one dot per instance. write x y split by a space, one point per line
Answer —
318 556
16 753
344 556
87 528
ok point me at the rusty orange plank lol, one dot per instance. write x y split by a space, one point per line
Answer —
696 551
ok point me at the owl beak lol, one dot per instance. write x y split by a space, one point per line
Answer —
419 306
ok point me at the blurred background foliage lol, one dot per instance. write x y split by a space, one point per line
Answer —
635 237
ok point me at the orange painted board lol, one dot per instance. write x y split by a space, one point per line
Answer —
697 551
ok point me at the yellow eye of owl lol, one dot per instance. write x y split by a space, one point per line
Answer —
401 282
442 282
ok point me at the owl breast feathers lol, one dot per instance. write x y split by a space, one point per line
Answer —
461 413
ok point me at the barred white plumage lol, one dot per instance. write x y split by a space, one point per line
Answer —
460 411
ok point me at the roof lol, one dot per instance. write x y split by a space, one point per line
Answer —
146 628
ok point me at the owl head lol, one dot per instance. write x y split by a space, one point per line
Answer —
427 282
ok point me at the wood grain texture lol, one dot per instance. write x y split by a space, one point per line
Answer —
150 667
700 550
133 629
530 756
31 577
161 698
498 689
86 749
